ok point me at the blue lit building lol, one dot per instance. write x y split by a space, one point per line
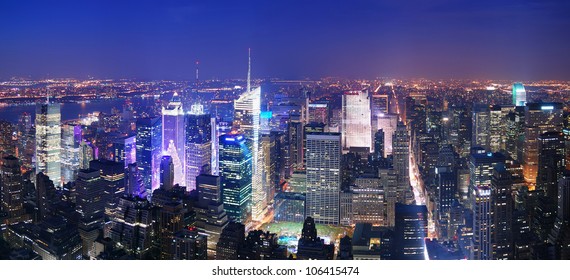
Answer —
236 175
149 151
519 94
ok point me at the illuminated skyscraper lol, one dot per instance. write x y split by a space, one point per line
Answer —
539 118
323 152
519 94
90 206
236 174
356 121
482 243
12 191
481 121
410 232
388 124
481 166
401 152
319 112
70 141
502 203
149 151
48 141
551 164
125 150
211 218
247 110
173 136
198 145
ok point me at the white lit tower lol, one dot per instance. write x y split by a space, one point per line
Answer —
247 110
48 141
173 136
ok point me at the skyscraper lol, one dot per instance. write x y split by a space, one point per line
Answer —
90 206
323 152
12 190
198 145
149 151
401 152
70 141
502 203
410 232
481 129
356 120
519 94
211 218
173 135
482 242
236 174
551 165
539 118
379 144
481 166
48 141
388 124
166 173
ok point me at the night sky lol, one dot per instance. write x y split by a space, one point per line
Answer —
511 39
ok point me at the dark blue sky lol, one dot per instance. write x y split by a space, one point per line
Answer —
510 39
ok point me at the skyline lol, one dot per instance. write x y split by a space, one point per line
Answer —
511 40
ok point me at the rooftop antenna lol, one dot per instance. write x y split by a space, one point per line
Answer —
248 69
197 64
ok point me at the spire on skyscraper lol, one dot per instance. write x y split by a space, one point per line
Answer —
248 69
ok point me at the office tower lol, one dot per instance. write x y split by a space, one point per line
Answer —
173 136
519 94
125 150
7 142
502 204
410 231
388 181
134 186
401 152
551 157
560 233
295 140
90 202
482 242
189 245
113 176
480 126
446 179
247 110
319 112
366 202
236 175
45 196
323 152
539 118
388 123
312 247
149 151
379 144
214 163
514 133
166 173
270 179
498 126
170 222
356 120
12 186
48 141
70 141
379 104
231 240
133 226
481 166
87 153
198 145
211 218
